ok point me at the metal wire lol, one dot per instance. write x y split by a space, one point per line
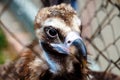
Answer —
98 33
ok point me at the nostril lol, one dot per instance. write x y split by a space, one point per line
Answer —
71 36
69 42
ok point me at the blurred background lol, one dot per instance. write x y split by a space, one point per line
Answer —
100 30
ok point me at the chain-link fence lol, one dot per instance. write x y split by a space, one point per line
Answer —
100 30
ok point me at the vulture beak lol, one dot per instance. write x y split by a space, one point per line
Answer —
72 39
79 45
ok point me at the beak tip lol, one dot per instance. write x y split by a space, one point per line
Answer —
79 44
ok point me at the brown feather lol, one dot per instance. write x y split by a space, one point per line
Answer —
62 11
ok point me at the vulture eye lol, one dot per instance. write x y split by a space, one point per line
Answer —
51 32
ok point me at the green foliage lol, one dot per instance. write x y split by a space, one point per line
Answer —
2 57
3 41
3 45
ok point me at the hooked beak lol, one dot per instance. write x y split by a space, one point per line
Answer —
80 46
72 39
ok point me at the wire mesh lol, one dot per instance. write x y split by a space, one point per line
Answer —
101 21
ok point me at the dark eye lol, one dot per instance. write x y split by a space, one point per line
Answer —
51 32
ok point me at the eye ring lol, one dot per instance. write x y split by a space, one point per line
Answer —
51 32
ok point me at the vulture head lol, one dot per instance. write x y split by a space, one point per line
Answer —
58 31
